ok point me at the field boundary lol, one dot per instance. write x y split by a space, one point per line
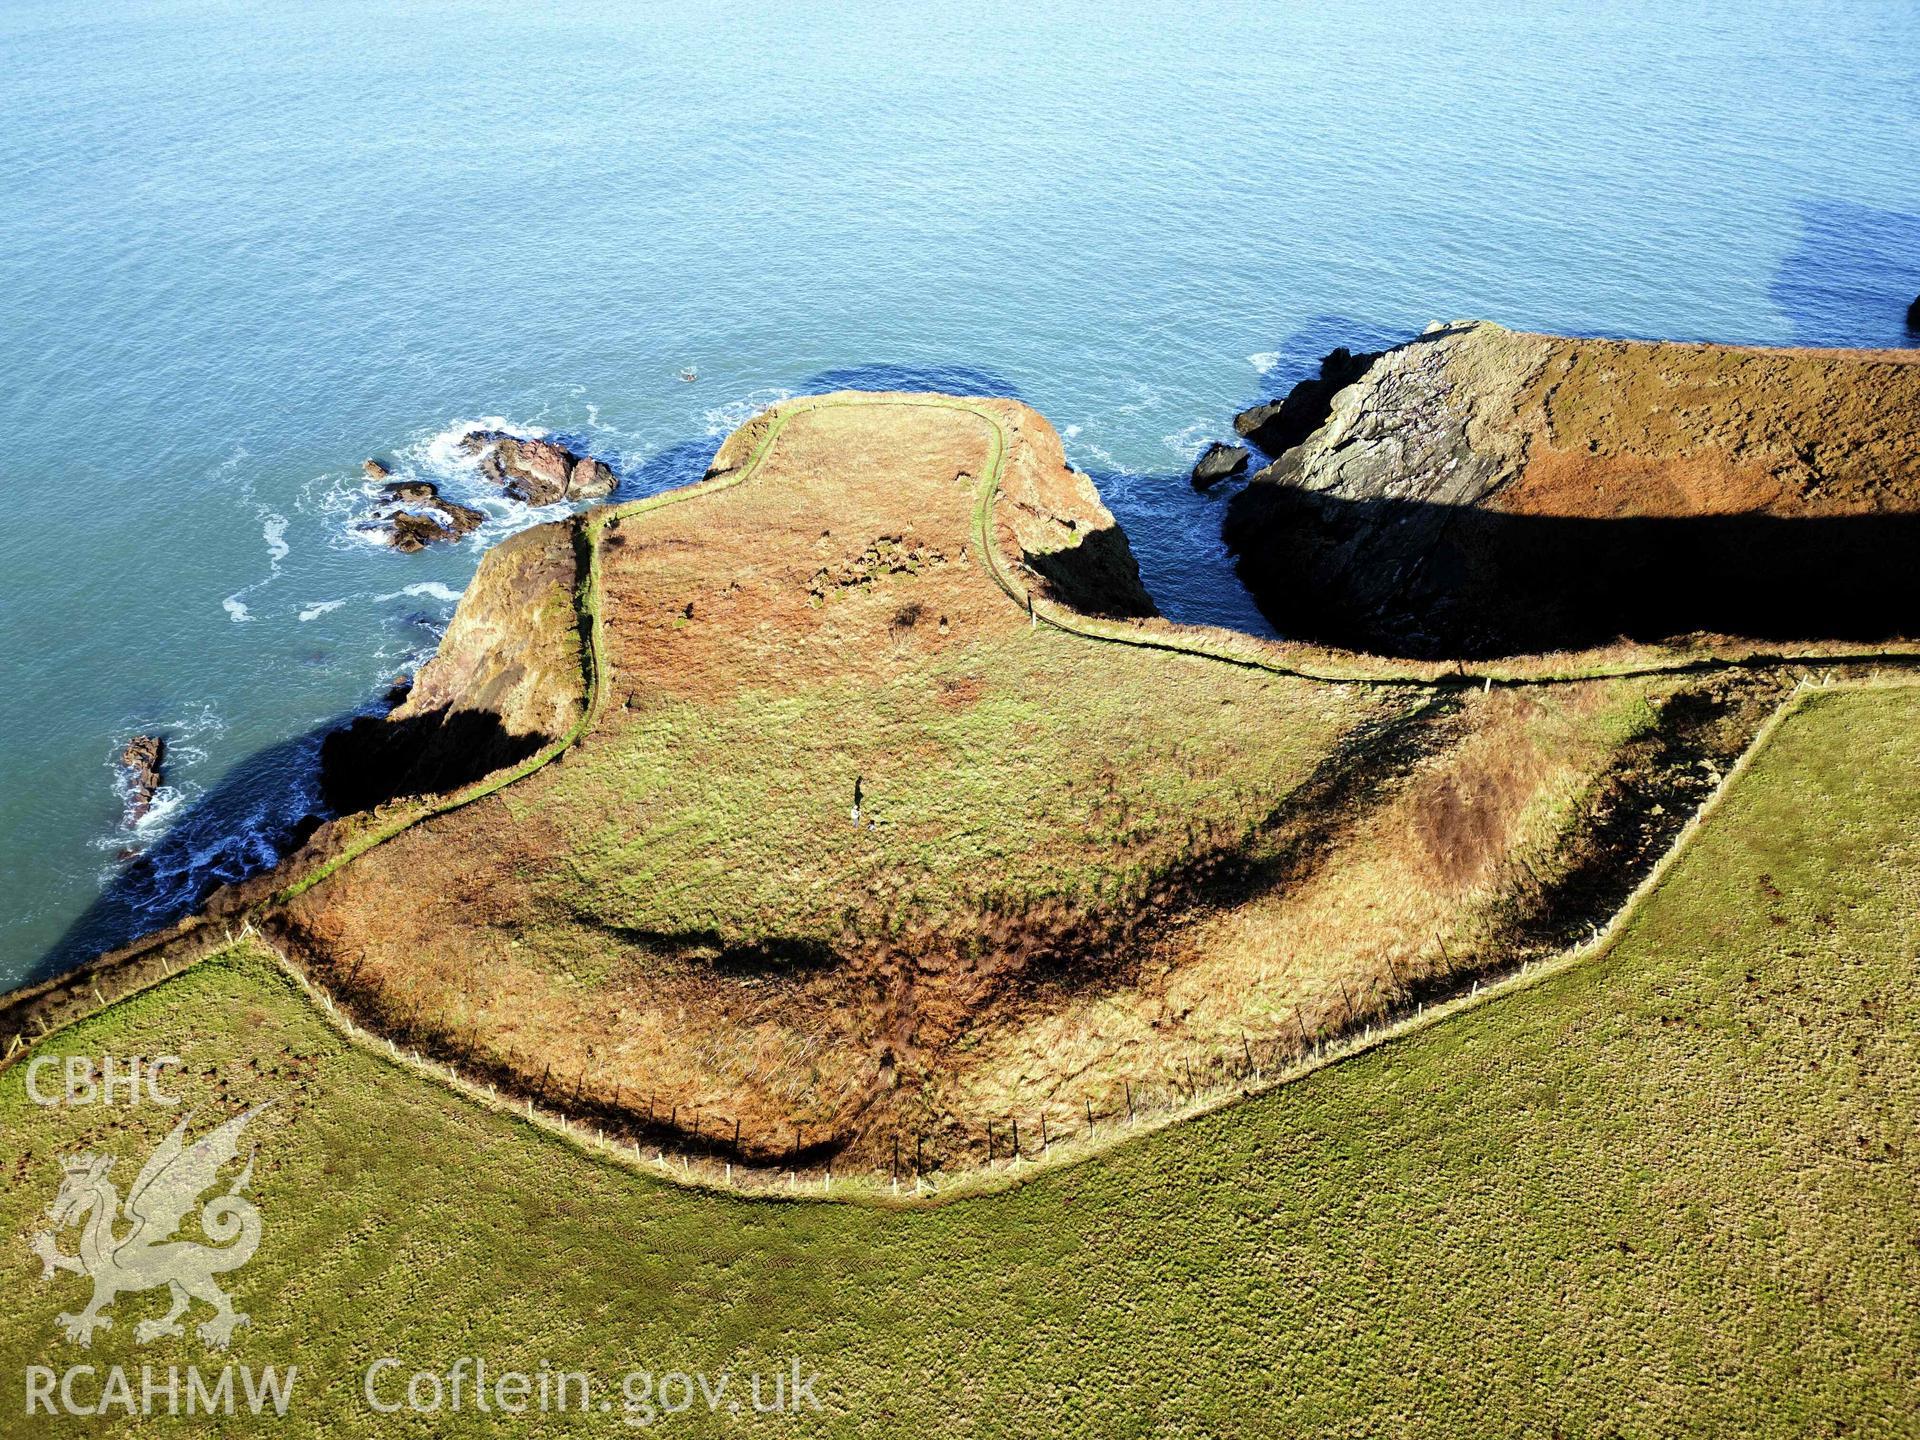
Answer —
684 1170
149 962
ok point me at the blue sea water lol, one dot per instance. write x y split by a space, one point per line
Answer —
245 247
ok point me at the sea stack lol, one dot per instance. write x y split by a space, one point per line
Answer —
432 518
538 472
143 772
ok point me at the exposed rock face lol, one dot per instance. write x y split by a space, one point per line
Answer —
1219 462
1281 424
1053 517
374 470
538 472
434 518
507 679
590 480
1913 314
143 771
1479 491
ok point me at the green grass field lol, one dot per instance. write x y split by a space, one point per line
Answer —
1672 1191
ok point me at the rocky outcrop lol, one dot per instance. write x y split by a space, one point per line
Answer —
1913 314
1279 425
374 470
538 472
1479 491
1219 462
142 773
1052 517
432 517
507 679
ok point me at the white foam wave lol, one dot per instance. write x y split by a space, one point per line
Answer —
273 529
1185 442
161 809
1266 362
426 587
325 607
236 608
441 453
354 504
723 420
187 738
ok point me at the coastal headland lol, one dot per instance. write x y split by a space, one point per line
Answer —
855 796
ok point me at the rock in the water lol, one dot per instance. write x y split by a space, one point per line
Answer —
374 470
407 532
1913 314
538 472
1219 461
590 480
143 770
411 530
1279 425
535 471
475 441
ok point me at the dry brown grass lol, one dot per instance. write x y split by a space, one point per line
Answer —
1077 863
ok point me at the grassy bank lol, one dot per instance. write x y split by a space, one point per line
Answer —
1559 1212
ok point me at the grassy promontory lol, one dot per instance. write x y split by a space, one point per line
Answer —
1560 1213
870 834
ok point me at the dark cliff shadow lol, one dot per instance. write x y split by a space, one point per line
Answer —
1099 576
373 760
946 379
257 812
1479 584
264 807
1852 276
1174 532
679 464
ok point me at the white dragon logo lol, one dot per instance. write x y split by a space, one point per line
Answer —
148 1256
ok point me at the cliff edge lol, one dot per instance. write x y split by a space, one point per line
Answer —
1480 491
